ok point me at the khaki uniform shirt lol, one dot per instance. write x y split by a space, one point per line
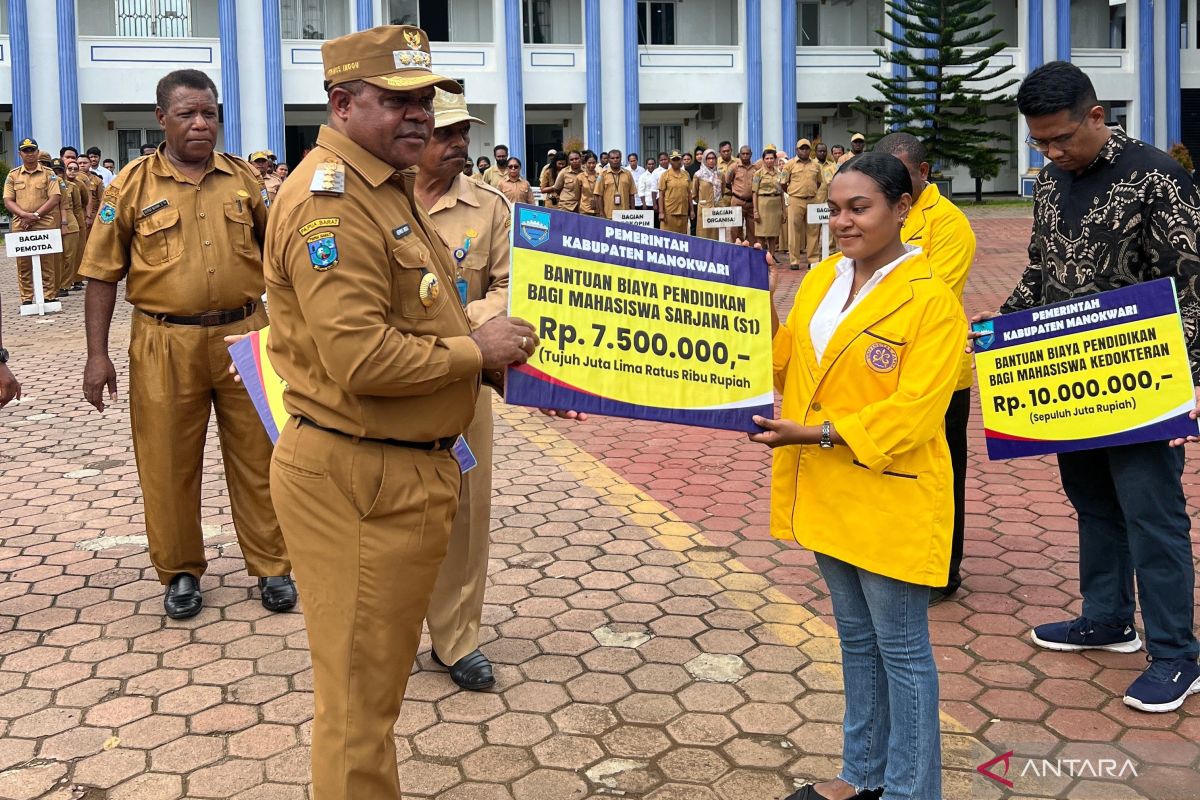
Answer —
829 168
272 183
568 188
81 196
674 189
769 183
545 181
84 181
98 187
723 167
803 178
360 351
31 190
517 191
185 247
614 192
740 179
68 206
477 177
475 221
493 175
587 198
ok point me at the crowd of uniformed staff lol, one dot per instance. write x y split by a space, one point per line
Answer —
773 191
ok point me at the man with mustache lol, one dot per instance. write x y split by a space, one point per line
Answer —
383 367
474 219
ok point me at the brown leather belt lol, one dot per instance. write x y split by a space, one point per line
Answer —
209 319
744 199
445 443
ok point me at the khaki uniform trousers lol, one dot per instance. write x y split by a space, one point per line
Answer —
367 524
674 223
71 257
51 265
806 239
784 233
177 374
457 603
746 232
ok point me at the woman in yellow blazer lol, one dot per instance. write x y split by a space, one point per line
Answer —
866 364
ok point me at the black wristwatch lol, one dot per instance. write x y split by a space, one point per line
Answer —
3 356
826 440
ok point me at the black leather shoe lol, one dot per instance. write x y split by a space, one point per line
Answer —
472 672
183 598
278 593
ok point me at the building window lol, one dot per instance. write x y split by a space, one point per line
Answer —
656 22
808 27
660 138
403 12
130 141
535 18
138 19
302 19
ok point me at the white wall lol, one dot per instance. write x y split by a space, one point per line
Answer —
848 24
711 22
470 21
1089 23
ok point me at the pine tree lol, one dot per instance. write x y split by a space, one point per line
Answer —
946 85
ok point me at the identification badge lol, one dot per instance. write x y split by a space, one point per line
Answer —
463 455
616 199
461 283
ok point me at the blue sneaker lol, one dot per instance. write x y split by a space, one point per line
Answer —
1164 685
1084 634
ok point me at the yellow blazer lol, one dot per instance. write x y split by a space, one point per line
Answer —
884 503
943 232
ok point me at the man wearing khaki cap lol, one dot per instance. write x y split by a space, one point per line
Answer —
382 370
262 161
803 184
858 143
474 219
32 195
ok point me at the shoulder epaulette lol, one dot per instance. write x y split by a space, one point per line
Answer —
329 178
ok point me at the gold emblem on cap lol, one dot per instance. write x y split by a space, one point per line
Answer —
414 39
429 290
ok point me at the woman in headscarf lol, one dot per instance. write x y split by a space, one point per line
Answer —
706 192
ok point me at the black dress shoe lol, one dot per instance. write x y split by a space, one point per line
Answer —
183 598
472 672
278 593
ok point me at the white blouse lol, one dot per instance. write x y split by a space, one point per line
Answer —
829 314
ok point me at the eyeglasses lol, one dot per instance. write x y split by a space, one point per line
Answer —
1043 145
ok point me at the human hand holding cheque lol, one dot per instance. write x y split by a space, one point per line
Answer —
1098 371
640 323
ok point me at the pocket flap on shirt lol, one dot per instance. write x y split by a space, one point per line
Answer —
411 255
242 216
158 221
887 336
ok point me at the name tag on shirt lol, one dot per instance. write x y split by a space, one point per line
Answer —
150 209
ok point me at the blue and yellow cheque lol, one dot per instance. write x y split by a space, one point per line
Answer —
1098 371
640 323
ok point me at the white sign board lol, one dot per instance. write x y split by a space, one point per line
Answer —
33 243
721 217
632 216
538 197
818 213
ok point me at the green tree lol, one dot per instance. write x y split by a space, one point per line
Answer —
946 85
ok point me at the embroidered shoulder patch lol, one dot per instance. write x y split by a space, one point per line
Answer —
323 251
108 212
323 222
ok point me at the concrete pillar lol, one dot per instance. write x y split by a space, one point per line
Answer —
45 114
252 64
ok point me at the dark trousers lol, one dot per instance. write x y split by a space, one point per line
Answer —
1133 524
957 415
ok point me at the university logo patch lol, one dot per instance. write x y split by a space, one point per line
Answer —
108 212
534 226
322 251
882 357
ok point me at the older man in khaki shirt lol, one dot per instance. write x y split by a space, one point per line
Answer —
474 219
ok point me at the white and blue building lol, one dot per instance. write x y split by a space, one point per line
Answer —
639 75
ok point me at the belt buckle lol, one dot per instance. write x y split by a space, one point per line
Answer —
211 319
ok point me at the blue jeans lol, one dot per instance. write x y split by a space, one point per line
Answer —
1133 523
891 733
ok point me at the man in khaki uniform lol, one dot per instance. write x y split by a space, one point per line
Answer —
496 172
32 195
81 197
803 184
184 227
828 167
739 181
569 185
858 143
614 189
725 162
474 220
675 197
271 182
382 371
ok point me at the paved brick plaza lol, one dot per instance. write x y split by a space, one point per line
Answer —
651 639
